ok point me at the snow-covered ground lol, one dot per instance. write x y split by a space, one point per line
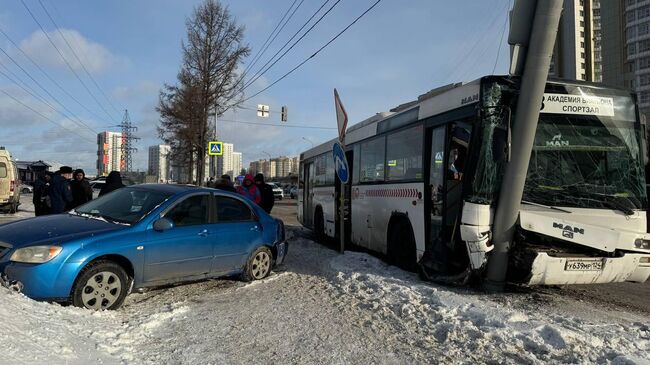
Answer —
322 307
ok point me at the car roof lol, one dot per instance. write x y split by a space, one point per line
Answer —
164 188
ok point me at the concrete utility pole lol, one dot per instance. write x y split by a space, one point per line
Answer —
538 52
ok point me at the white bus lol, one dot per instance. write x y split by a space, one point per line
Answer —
425 180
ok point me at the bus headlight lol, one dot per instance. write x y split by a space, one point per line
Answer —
642 243
36 254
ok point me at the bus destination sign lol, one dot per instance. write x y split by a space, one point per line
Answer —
577 104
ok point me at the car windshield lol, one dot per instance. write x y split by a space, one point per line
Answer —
587 162
126 205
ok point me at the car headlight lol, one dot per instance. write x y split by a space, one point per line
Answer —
36 254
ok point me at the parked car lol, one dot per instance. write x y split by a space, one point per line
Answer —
26 189
139 236
277 191
9 191
97 186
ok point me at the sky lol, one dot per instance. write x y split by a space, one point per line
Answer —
123 51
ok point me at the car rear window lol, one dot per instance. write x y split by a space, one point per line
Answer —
3 169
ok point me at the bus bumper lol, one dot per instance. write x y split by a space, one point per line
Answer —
549 270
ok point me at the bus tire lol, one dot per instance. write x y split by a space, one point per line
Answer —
319 225
401 245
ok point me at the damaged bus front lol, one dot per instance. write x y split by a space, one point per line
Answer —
583 213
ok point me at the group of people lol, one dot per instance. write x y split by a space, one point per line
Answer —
66 189
253 188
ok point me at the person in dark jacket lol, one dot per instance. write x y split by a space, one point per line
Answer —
268 200
249 190
60 193
224 184
81 191
40 196
113 182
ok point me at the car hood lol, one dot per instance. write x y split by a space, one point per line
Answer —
53 229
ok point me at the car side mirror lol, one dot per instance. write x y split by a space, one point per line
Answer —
163 224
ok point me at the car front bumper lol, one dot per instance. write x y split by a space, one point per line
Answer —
41 281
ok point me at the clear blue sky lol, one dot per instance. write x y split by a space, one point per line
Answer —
131 47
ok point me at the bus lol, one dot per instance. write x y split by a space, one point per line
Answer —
426 178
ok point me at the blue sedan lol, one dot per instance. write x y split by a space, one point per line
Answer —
137 237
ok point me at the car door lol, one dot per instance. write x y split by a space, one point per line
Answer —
234 234
184 250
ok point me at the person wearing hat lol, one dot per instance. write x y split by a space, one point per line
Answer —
60 192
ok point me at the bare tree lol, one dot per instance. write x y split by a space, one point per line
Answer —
211 54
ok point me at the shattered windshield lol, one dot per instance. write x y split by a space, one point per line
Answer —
587 162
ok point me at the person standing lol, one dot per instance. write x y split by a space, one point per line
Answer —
249 190
60 193
40 197
266 191
81 191
113 182
225 185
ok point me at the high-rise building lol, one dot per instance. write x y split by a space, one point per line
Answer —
237 163
577 54
109 152
626 47
159 164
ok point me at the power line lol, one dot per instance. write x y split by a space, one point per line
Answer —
503 32
52 80
37 97
78 121
276 35
65 60
44 116
275 125
315 53
258 54
58 29
250 82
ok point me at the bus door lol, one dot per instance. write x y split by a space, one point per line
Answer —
448 153
308 195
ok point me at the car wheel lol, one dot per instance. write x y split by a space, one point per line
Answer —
259 265
102 285
25 191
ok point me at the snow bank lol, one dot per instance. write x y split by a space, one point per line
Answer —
43 333
457 326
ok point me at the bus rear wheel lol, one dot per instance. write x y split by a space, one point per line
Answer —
401 246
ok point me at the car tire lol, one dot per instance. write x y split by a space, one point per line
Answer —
101 285
259 265
25 191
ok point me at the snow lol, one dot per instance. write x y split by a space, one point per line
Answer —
322 307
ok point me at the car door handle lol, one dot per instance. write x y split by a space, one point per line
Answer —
203 233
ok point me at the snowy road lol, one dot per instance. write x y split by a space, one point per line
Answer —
322 307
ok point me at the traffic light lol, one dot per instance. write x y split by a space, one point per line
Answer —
285 110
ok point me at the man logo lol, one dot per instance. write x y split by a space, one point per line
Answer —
568 231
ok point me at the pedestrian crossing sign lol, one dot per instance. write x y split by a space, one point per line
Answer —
215 148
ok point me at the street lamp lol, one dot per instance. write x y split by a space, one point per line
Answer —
312 143
268 154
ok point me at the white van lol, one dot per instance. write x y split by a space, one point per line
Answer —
9 192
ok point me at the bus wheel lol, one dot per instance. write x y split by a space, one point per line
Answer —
401 246
319 226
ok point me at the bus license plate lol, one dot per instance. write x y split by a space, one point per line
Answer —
584 265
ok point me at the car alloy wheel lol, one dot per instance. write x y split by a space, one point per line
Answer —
261 265
101 291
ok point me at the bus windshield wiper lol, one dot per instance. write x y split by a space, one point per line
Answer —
545 206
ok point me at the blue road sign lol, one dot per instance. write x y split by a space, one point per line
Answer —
215 148
340 163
